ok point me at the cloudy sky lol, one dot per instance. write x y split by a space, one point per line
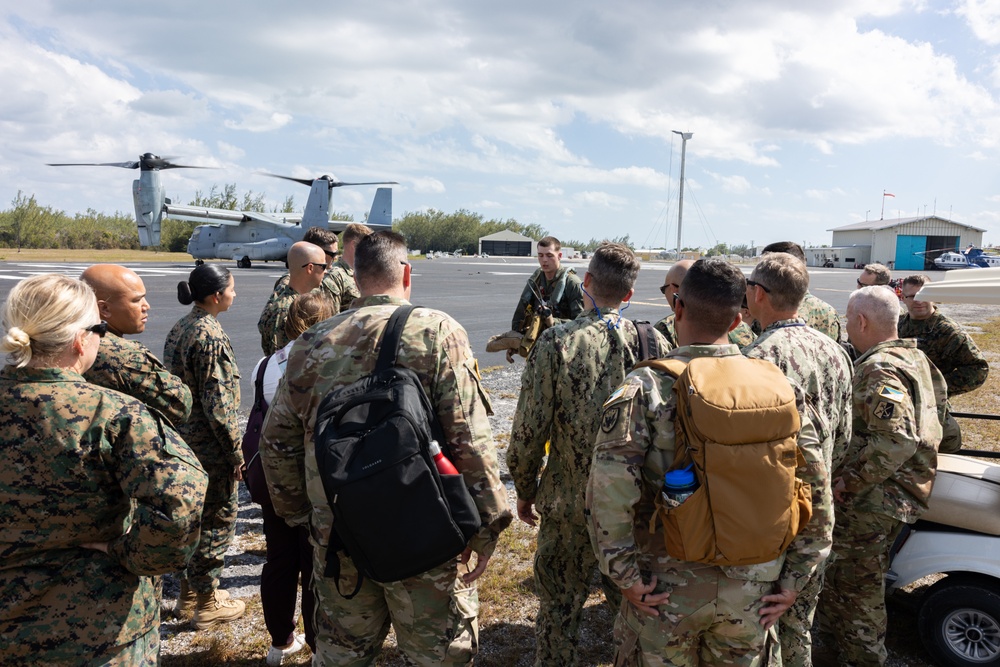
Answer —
558 113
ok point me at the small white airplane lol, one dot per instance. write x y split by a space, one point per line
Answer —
243 236
972 258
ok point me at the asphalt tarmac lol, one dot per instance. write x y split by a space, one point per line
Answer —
480 293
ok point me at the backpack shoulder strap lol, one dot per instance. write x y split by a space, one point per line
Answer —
649 347
672 367
258 385
389 343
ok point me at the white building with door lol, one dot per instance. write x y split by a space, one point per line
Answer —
903 244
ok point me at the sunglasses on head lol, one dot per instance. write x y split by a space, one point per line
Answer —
100 329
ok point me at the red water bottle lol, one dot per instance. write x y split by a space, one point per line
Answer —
444 466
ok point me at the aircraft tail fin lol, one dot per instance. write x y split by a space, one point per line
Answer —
380 216
148 210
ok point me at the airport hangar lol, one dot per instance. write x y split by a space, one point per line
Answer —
903 243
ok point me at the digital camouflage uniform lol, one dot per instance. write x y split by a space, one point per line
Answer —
712 616
741 336
817 313
888 474
80 463
198 351
129 367
570 372
271 324
340 285
433 614
330 286
950 348
565 289
824 372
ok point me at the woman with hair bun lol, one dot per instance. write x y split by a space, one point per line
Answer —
198 351
96 497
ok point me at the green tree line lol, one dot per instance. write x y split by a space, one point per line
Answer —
461 230
28 224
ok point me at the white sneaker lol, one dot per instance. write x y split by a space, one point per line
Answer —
276 655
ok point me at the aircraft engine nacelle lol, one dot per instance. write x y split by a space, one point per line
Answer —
147 195
275 249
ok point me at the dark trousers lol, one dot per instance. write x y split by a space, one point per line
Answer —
289 555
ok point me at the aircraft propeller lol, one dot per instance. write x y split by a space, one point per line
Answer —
146 162
332 183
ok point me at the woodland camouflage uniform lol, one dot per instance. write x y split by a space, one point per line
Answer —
950 348
712 614
339 284
823 370
199 352
818 314
741 336
570 372
80 463
888 473
129 367
568 306
433 614
271 324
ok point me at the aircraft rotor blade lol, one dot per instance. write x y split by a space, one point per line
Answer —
123 165
328 179
337 184
146 162
304 181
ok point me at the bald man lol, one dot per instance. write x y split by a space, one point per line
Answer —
306 267
741 335
127 365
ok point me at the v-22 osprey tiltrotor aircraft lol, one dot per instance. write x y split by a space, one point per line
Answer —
243 236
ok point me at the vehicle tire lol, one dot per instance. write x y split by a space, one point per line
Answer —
959 622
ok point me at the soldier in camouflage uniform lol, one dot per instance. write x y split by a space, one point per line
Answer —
680 613
199 352
558 286
339 281
823 370
741 335
306 266
434 614
886 478
96 496
943 340
817 313
571 370
126 365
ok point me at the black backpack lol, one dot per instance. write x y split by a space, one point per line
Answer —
253 473
394 514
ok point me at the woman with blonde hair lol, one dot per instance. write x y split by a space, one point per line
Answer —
96 497
198 351
289 553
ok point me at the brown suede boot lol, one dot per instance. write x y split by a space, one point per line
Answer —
186 602
214 608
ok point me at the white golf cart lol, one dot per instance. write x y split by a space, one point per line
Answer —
959 535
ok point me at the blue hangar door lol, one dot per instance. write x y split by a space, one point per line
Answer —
910 253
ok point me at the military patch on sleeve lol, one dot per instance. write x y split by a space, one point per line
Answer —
885 409
610 418
625 391
890 394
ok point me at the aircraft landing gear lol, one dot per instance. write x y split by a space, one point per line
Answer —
243 263
199 262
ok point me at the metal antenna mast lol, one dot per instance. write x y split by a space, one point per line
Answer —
680 199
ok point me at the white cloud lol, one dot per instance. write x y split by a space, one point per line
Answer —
983 18
431 185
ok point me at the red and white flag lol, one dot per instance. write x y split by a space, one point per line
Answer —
887 194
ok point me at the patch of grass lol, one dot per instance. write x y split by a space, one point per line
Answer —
980 433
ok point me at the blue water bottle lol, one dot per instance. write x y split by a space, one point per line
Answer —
678 485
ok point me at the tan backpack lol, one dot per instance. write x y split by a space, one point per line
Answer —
738 424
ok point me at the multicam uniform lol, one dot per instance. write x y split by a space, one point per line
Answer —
712 614
564 293
198 351
950 348
888 474
271 324
823 370
740 336
83 464
818 314
339 284
129 367
570 372
434 614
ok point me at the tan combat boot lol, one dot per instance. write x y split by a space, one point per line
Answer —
186 602
214 608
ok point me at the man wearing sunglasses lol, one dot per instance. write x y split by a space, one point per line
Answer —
775 293
306 268
127 365
741 335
